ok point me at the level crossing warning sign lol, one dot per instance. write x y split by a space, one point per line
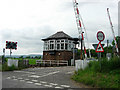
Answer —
99 48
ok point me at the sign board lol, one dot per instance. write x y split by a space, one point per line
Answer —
11 45
99 48
95 45
100 36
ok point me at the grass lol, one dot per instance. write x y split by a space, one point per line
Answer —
106 76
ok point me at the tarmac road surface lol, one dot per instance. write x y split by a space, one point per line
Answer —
42 77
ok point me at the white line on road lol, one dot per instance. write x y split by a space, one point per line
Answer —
50 73
37 83
42 82
15 79
36 76
13 76
35 80
48 85
58 87
8 78
29 82
27 79
22 80
70 72
53 84
25 72
65 86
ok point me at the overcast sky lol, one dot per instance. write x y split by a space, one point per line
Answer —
29 21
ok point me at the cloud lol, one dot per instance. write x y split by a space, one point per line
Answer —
29 21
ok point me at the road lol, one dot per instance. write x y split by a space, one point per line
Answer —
43 77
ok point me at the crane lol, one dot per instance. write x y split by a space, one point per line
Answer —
80 23
112 31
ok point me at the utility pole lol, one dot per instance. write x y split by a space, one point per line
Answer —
107 45
10 52
74 53
81 57
3 58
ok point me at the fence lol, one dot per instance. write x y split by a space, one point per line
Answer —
52 62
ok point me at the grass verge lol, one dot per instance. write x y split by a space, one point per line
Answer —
106 76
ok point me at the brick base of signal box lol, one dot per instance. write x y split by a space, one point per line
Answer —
57 55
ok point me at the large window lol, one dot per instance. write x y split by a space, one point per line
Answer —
52 44
66 46
59 44
62 46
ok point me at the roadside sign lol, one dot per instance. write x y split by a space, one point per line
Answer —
99 48
100 36
3 50
95 45
11 45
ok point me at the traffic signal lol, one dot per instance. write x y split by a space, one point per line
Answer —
11 45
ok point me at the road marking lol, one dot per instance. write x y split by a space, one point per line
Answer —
13 76
53 84
15 79
34 76
17 71
35 80
27 79
43 82
37 83
58 87
65 86
22 80
29 82
8 78
25 72
48 85
70 72
50 74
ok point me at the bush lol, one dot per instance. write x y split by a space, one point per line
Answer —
103 74
105 65
11 68
5 67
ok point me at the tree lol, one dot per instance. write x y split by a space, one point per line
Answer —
113 42
21 57
28 57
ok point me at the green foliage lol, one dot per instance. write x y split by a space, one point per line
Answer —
103 74
21 57
7 68
11 68
32 61
28 57
4 66
113 42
